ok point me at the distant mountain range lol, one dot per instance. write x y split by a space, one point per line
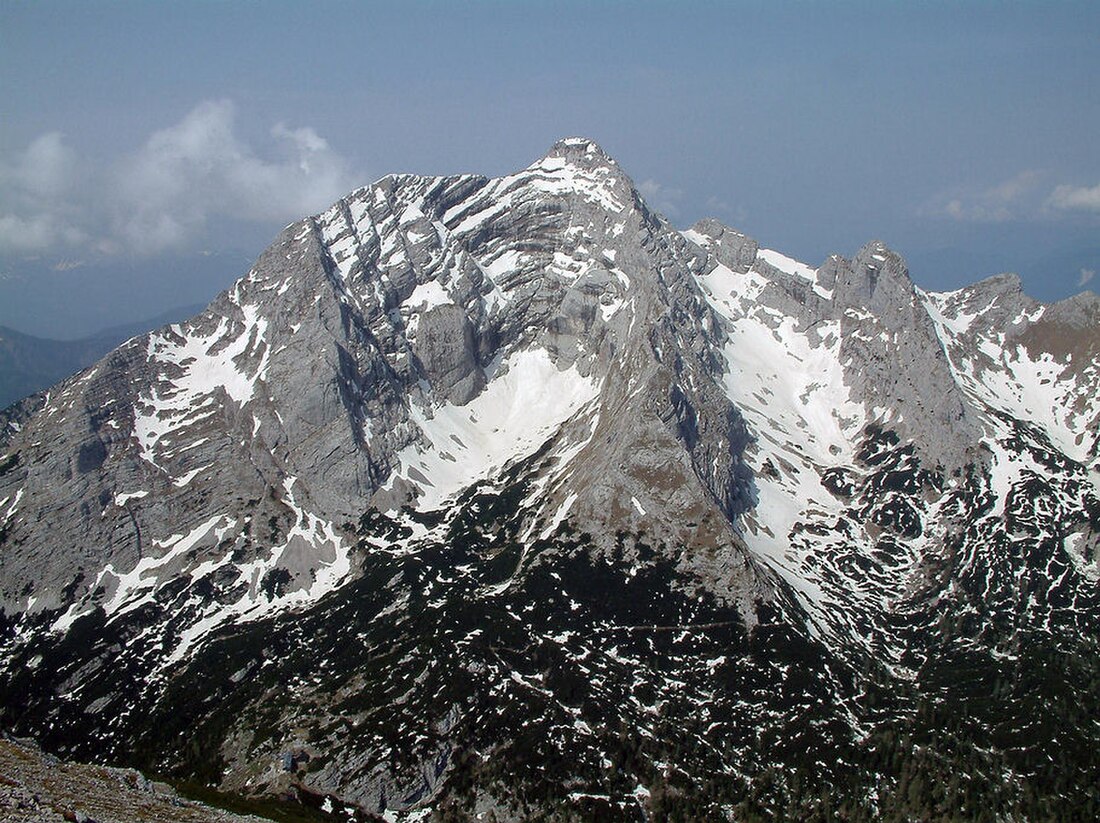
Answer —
69 299
29 364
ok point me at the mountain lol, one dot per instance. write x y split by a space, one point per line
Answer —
504 499
29 364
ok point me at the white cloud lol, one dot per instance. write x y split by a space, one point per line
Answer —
1013 199
661 198
199 169
37 233
1075 198
1085 276
37 189
46 169
168 192
1018 198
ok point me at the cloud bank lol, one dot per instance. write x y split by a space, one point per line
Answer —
1012 199
1022 197
164 195
1075 198
37 190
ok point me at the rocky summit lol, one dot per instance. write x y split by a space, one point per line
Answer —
503 499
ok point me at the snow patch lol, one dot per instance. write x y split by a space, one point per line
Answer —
123 498
524 404
559 515
193 368
789 265
427 296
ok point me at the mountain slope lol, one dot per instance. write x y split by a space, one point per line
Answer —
503 495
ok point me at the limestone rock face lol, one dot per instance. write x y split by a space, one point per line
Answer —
466 474
445 348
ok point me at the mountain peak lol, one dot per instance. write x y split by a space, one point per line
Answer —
580 166
1081 310
876 255
585 156
877 279
1006 282
581 151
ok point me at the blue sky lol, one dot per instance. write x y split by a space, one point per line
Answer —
138 136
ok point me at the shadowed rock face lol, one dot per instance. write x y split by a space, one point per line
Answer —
468 465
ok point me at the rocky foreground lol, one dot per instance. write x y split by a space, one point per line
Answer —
38 788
